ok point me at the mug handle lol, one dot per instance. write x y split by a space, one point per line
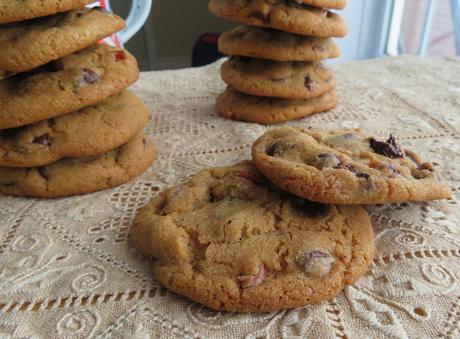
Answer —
138 15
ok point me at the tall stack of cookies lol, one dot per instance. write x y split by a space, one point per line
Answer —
275 72
67 123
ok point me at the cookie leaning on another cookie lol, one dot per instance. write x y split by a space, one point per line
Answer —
81 175
94 129
66 85
280 79
266 43
335 4
19 10
29 44
262 110
226 239
284 15
345 167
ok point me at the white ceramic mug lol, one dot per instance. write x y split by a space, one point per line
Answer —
139 13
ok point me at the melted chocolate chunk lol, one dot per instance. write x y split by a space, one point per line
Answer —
43 172
388 148
89 76
310 209
43 140
309 83
324 160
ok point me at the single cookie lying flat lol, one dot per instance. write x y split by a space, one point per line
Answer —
284 15
81 175
345 167
234 105
280 79
18 10
266 43
29 44
65 85
228 240
92 130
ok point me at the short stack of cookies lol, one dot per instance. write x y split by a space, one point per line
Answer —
285 229
68 125
275 72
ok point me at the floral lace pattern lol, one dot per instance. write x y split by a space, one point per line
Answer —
67 269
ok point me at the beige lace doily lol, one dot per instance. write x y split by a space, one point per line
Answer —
67 269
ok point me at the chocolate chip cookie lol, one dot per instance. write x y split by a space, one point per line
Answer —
81 175
19 10
280 79
345 167
92 130
29 44
266 43
285 15
230 240
235 105
65 85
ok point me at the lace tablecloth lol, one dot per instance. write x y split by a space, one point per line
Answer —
67 269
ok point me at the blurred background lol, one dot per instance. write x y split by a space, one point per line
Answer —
183 33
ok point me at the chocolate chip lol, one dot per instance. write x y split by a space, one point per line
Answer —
79 14
261 16
309 83
314 262
272 149
43 140
43 172
324 160
388 148
309 208
89 76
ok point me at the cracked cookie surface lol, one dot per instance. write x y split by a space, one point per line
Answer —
262 110
266 43
27 45
232 241
68 177
280 79
285 15
92 130
65 85
345 167
19 10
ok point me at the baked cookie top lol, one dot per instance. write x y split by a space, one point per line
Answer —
65 85
285 15
345 167
29 44
80 175
19 10
280 79
94 129
266 43
262 110
335 4
231 241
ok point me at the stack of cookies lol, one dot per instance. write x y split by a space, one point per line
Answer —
285 229
67 123
275 72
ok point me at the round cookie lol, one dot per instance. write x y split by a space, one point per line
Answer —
266 43
229 240
238 106
284 15
19 10
65 85
29 44
81 175
280 79
335 4
92 130
345 167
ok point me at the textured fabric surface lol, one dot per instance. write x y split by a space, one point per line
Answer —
67 269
